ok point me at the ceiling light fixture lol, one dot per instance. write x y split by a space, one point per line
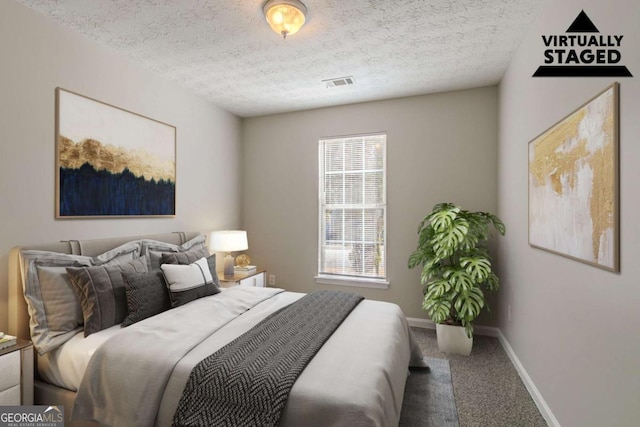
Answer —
285 16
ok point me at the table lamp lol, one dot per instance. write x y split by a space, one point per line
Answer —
228 241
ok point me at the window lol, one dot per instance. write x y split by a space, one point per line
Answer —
352 226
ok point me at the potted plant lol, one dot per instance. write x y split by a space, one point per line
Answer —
456 270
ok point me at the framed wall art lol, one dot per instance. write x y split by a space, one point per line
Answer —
111 162
573 184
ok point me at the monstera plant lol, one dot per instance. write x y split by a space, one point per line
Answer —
456 266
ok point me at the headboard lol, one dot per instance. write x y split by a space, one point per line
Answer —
18 315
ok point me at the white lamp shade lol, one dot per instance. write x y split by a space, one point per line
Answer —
228 241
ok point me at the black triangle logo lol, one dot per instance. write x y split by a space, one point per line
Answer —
582 24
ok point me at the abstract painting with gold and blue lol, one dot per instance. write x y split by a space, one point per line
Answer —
112 162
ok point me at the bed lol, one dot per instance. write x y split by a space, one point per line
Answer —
356 378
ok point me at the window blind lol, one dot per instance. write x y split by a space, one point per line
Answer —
353 206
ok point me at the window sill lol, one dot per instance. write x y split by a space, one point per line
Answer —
352 281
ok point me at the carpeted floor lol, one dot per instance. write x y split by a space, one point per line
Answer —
486 386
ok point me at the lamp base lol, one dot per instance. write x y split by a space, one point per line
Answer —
229 261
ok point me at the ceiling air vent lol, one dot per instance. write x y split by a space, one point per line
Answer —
340 81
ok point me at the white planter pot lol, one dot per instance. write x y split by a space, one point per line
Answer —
453 339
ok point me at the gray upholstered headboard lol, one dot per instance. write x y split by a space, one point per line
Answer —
18 315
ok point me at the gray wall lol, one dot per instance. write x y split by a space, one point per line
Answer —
38 55
440 147
574 327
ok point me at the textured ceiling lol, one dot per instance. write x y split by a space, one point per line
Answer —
225 51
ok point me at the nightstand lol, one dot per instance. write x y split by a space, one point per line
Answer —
255 278
16 374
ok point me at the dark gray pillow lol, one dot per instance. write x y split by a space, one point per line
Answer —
153 249
102 293
184 258
147 295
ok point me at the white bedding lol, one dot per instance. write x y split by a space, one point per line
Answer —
65 366
356 379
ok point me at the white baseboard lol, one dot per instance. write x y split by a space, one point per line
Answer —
544 409
421 323
428 324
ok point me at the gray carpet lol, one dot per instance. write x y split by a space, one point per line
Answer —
487 388
428 397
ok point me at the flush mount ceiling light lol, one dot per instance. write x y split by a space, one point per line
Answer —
285 16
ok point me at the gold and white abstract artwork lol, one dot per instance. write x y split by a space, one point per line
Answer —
573 184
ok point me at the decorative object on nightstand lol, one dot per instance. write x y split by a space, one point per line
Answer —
16 374
242 261
243 264
228 241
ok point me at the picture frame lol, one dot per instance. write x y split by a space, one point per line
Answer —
111 162
574 184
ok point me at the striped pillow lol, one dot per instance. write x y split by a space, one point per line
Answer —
189 282
188 257
102 293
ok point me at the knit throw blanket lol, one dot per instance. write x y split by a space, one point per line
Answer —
247 382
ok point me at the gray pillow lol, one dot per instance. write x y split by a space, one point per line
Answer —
153 249
52 302
57 316
102 293
60 300
147 295
189 257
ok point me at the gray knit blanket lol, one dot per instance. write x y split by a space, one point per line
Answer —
247 382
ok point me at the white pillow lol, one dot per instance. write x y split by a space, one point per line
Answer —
189 282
